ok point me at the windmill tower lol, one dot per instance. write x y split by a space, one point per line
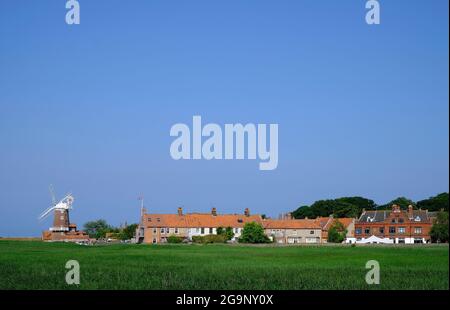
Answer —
62 229
60 212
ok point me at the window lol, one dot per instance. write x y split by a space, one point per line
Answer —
202 230
358 231
176 230
392 230
401 240
167 230
381 230
210 230
162 230
401 220
154 230
393 221
367 230
149 219
311 232
154 240
236 230
417 230
401 230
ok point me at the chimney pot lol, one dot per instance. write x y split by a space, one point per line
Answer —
214 211
180 211
247 212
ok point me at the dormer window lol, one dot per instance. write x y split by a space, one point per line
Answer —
417 219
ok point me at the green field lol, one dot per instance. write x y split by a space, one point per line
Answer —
38 265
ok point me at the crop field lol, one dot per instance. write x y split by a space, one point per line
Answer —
39 265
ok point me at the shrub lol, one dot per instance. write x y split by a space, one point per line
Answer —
197 239
227 232
337 232
209 239
253 233
174 239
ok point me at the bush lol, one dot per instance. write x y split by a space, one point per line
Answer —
337 232
209 239
253 233
227 232
174 239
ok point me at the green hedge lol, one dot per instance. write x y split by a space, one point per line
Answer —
209 239
174 239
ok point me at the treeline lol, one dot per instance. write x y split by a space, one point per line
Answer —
99 229
353 206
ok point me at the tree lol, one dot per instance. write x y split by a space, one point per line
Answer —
402 202
303 212
439 230
253 233
359 202
128 232
337 232
340 207
227 233
97 229
436 203
344 209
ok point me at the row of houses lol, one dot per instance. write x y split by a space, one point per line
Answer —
381 226
156 228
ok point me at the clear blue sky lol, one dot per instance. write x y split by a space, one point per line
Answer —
362 110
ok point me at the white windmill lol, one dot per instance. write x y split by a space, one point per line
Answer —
61 212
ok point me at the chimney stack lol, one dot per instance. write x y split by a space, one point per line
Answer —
214 211
395 208
180 211
410 211
247 212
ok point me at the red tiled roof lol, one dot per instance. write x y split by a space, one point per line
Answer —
199 220
291 224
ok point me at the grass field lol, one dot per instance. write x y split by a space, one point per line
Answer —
38 265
